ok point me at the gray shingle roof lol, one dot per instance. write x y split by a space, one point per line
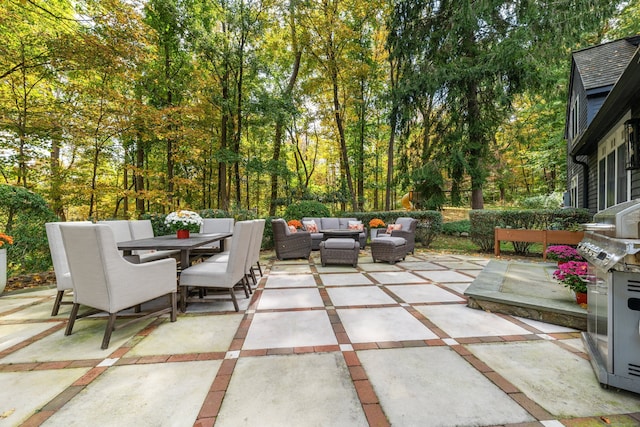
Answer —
603 64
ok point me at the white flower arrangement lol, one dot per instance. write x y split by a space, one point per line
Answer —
183 220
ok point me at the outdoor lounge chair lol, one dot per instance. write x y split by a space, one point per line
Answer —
408 232
105 281
290 245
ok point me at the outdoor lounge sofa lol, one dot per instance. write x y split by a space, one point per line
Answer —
332 224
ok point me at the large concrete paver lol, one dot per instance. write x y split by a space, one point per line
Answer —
291 390
559 381
436 387
168 394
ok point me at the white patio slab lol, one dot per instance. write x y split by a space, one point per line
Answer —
10 303
290 281
383 324
335 268
461 265
291 268
24 393
460 321
378 266
421 265
190 334
359 295
345 279
423 293
396 277
83 343
273 299
292 390
168 394
547 328
39 311
11 335
434 386
459 287
561 382
289 329
445 276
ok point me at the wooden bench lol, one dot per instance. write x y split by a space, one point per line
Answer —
546 237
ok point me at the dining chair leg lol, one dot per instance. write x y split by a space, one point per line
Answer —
233 298
56 304
107 332
72 319
259 268
183 298
173 296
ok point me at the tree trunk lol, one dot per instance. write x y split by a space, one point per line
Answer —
280 120
223 200
56 181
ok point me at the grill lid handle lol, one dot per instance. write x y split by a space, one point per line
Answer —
598 226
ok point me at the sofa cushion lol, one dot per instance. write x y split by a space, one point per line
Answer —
339 243
331 224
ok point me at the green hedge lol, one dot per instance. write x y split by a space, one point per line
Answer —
483 223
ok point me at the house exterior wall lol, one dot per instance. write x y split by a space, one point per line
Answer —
577 112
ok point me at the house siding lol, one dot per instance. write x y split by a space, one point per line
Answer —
593 105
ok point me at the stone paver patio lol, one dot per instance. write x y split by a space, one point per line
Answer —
374 345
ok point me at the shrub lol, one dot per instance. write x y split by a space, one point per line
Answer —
483 223
22 216
455 228
306 208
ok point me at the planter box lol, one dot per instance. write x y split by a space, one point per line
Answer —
546 237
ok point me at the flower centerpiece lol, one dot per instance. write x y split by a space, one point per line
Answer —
182 222
573 275
563 253
4 240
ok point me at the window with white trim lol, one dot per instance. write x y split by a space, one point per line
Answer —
614 181
574 191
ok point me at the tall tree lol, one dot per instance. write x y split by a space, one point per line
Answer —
484 53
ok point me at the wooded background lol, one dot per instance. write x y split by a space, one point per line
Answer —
114 108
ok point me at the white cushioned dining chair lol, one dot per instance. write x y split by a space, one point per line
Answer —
59 260
253 252
105 281
142 229
225 275
210 226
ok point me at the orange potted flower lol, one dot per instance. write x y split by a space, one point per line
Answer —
294 225
374 225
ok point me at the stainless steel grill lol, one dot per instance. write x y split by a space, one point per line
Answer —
611 245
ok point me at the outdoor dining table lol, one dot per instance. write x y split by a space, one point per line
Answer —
171 242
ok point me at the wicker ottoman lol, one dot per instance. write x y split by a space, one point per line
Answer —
339 251
390 249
